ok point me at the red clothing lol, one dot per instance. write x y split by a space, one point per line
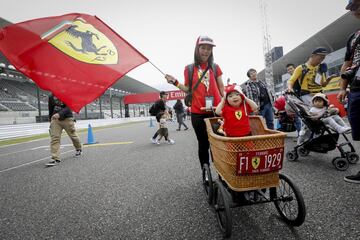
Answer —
279 104
198 97
236 120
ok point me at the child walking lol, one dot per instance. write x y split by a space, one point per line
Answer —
235 108
163 130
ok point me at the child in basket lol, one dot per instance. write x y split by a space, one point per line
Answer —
328 114
235 108
163 130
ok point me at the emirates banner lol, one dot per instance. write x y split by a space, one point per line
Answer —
152 97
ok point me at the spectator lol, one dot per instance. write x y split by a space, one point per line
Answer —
310 75
286 119
160 106
290 68
61 117
163 130
310 78
209 90
350 75
179 110
258 91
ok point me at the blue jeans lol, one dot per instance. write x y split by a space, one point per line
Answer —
297 124
268 113
354 114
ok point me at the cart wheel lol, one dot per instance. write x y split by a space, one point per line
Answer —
292 156
208 183
290 206
352 157
222 209
340 163
303 152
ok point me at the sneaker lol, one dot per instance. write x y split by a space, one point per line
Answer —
78 153
170 141
157 142
53 162
178 129
206 178
153 140
348 130
249 196
186 129
353 178
342 130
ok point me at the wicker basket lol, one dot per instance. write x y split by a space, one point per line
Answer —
225 150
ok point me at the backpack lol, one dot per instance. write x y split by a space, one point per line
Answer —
298 82
153 110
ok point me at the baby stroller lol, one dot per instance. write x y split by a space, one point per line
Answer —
319 137
286 121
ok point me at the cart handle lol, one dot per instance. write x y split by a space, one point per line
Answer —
212 109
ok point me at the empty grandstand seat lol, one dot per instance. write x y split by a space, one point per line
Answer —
18 106
2 108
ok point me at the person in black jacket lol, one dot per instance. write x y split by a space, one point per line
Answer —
179 110
350 77
160 106
61 117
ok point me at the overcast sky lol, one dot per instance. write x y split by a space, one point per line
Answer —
165 31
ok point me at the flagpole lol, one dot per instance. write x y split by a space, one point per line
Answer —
157 68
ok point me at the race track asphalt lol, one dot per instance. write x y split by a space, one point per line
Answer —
125 187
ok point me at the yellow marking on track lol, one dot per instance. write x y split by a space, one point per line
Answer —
107 144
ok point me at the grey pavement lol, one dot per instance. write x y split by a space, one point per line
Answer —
128 188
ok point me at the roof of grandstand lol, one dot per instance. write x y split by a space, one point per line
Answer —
334 37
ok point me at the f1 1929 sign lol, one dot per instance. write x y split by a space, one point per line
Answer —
259 161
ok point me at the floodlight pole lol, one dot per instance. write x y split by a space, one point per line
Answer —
120 107
111 107
100 105
39 105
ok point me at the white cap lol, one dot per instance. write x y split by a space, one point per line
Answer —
205 40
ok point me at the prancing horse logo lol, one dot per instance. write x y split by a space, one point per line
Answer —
238 114
82 41
255 161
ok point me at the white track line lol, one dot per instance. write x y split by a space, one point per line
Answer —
25 164
32 149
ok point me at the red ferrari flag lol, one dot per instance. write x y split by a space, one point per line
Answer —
75 56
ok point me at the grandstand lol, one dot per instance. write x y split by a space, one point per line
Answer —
333 37
21 101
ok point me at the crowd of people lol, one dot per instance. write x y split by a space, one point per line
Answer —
203 78
307 81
